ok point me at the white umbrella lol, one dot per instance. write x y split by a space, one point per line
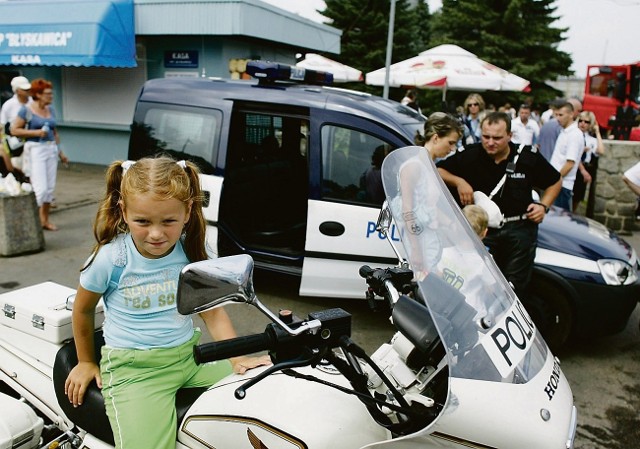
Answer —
341 73
448 67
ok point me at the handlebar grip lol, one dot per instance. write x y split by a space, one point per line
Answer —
365 271
232 347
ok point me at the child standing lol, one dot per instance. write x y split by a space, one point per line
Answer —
150 223
477 218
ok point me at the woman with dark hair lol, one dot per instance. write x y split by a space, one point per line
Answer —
36 122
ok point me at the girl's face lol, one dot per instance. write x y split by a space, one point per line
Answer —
155 224
441 146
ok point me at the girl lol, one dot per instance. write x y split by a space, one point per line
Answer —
36 122
441 133
150 224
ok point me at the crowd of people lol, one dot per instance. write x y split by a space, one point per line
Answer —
565 135
502 156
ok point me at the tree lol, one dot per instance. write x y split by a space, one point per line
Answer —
364 25
516 35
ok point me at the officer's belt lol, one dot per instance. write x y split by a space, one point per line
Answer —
520 217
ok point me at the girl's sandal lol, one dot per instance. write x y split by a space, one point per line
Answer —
49 227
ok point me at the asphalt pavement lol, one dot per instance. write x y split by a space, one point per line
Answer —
602 373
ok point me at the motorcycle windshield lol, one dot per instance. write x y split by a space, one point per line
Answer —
486 331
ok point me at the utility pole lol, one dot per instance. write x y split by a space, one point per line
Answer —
392 19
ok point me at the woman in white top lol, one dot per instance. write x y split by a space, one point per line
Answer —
593 148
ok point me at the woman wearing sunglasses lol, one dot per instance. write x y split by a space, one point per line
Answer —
593 148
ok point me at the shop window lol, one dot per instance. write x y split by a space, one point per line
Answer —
102 95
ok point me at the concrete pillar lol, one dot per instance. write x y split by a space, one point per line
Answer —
20 229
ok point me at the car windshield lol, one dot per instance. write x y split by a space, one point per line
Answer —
484 327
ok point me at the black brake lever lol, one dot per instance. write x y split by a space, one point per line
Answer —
302 360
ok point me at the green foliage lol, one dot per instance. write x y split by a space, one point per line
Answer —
516 35
364 25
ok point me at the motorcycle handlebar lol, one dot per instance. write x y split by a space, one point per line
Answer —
232 347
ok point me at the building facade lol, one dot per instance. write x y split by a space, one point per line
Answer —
99 53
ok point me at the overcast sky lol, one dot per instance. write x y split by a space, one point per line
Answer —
600 31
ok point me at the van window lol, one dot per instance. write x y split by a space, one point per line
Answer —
183 133
265 191
351 162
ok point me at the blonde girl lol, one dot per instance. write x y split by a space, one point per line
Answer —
148 227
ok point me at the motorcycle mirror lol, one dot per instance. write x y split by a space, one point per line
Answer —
212 283
384 218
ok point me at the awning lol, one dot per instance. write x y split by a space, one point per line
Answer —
67 33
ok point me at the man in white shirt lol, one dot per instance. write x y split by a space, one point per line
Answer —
567 153
21 87
524 130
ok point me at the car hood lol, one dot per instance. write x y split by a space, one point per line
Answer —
582 237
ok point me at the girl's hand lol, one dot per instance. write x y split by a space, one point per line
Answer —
79 379
243 364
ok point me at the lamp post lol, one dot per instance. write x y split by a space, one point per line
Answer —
392 19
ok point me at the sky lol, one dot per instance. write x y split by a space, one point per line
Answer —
600 31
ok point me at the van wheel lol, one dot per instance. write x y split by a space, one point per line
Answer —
551 312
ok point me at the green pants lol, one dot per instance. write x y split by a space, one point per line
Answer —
139 389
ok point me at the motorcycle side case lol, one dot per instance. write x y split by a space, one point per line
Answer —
20 427
41 310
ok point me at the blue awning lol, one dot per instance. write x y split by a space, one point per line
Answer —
67 33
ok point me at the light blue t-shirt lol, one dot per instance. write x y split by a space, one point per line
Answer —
141 313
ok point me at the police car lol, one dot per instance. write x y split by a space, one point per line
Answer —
283 160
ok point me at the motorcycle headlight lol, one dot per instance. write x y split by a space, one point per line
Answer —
617 272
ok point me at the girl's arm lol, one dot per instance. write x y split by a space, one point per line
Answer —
87 369
220 327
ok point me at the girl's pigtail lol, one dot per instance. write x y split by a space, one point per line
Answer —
195 229
109 220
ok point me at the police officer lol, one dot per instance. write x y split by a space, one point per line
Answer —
482 167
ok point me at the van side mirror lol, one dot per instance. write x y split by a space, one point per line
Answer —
215 282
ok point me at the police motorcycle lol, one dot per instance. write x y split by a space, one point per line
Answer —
466 367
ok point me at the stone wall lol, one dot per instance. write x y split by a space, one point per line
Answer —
615 204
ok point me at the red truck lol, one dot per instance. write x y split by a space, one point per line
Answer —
612 92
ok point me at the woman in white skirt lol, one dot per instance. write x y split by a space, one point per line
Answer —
37 123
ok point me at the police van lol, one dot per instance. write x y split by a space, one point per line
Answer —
289 177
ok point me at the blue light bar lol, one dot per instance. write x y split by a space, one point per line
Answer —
270 72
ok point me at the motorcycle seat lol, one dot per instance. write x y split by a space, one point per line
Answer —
91 415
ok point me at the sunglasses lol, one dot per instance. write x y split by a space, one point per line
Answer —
473 104
588 122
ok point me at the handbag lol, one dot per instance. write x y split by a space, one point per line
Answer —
16 144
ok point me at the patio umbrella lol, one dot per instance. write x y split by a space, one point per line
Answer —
341 73
448 67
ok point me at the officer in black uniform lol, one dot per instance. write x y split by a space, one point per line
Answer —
481 167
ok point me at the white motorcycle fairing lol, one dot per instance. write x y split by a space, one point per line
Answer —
502 374
271 414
